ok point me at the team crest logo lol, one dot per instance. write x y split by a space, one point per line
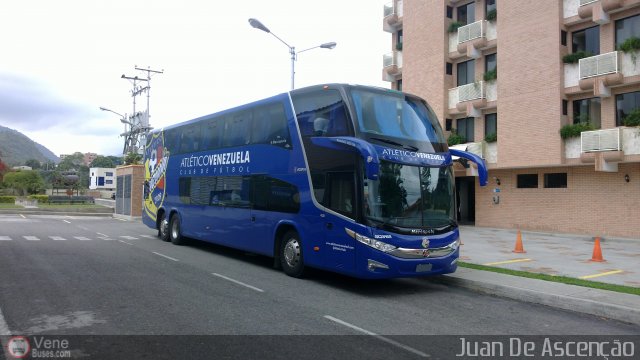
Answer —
425 243
156 160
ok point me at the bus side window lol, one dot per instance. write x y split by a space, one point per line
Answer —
212 132
341 188
190 139
237 130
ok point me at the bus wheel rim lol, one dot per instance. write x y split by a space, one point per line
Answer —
175 230
292 252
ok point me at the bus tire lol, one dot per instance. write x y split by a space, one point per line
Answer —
163 227
291 257
174 231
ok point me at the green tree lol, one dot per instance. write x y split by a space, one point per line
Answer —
24 182
72 162
33 163
132 158
102 162
117 160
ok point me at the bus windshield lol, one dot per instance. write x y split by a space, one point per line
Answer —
396 115
410 197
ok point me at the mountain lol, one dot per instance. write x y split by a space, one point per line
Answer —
16 148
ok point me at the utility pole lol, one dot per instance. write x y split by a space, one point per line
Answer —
137 126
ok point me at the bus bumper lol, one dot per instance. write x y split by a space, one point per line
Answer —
374 264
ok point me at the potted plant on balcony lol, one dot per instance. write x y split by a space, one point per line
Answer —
490 138
492 15
631 46
633 119
455 139
491 75
574 130
453 27
399 46
575 57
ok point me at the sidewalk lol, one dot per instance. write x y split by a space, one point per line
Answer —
552 254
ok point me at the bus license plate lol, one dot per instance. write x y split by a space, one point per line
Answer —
423 267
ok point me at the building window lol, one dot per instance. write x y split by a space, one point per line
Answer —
449 12
490 6
466 72
108 173
449 68
399 85
626 28
527 181
565 107
467 13
563 37
465 128
108 182
587 40
490 124
555 180
587 111
448 124
625 104
490 62
399 38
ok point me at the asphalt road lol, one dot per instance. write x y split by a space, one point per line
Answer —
99 276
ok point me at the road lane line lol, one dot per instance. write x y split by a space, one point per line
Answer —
507 262
67 221
57 238
4 328
122 241
103 235
5 238
129 237
24 217
238 282
121 219
31 238
379 337
165 256
601 274
148 236
82 238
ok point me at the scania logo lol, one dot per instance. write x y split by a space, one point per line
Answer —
425 243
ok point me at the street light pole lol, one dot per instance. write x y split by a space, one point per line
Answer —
255 23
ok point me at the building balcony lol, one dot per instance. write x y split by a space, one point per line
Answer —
392 20
604 148
598 10
470 98
391 66
601 72
468 40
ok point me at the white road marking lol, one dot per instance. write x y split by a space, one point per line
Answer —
124 242
129 237
58 238
165 256
5 238
4 328
31 238
121 219
380 337
103 235
81 238
67 221
148 236
24 217
238 282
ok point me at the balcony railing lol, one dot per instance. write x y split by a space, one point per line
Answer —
587 2
472 31
471 91
389 9
598 65
392 59
600 140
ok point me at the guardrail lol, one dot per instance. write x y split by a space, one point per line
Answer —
598 65
601 140
472 31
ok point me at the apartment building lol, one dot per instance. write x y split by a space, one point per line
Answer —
505 77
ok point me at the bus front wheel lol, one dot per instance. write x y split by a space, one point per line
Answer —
174 233
291 257
163 228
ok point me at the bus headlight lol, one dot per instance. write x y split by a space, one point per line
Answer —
376 244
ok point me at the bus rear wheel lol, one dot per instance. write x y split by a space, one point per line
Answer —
291 257
163 228
174 231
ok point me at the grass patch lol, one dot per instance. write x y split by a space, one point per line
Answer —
554 278
70 206
10 206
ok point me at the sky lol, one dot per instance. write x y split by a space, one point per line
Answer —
60 61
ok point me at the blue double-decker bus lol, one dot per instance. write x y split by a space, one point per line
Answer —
352 179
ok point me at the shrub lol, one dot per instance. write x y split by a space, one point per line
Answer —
455 139
453 27
573 58
491 75
630 45
574 130
7 199
633 119
40 198
493 137
492 15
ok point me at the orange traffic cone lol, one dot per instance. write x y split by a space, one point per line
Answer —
597 252
519 248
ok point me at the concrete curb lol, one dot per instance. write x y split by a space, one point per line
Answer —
608 304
